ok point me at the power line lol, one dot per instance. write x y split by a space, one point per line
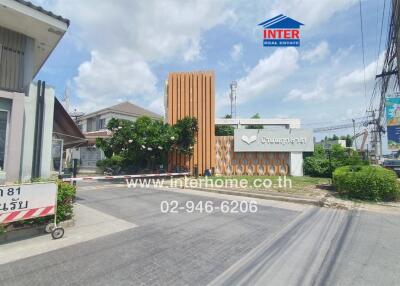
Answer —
380 37
363 52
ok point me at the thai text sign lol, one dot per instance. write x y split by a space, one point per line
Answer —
280 140
25 201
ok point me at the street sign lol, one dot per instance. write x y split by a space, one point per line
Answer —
26 201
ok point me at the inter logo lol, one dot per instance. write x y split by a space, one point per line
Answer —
281 31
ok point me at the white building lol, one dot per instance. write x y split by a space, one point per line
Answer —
30 115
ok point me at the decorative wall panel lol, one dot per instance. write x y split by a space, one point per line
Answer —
248 163
192 94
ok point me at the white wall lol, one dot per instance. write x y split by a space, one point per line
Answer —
29 129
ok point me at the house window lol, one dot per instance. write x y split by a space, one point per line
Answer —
3 137
102 123
91 125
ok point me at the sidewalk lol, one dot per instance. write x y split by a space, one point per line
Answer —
90 224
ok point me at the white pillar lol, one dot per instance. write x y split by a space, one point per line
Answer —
296 164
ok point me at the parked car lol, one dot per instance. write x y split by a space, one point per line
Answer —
392 164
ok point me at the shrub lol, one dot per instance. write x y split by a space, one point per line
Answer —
113 162
322 163
372 183
65 198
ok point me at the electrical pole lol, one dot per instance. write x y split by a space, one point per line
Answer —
354 134
232 97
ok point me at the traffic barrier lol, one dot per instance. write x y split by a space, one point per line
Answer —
26 214
124 177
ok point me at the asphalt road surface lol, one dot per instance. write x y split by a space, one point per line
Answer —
280 244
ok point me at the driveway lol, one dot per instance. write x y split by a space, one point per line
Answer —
280 244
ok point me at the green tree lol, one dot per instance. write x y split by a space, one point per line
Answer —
255 116
186 130
323 162
146 142
224 130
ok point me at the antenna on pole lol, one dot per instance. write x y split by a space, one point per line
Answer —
232 97
66 98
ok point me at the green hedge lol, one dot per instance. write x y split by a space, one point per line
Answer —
372 183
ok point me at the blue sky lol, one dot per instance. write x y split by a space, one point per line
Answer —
123 50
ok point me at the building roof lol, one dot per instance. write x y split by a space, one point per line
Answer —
40 9
44 27
125 108
65 128
281 22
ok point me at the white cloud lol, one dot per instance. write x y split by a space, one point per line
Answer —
310 12
193 52
319 93
125 37
341 54
237 51
158 30
107 79
269 72
319 53
356 77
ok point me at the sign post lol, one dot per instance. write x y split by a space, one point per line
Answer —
27 201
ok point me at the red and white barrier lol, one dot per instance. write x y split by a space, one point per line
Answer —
124 177
26 214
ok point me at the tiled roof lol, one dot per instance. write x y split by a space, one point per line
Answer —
40 9
127 108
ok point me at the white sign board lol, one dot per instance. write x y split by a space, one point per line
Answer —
279 140
26 201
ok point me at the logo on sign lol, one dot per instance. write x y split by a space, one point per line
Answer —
249 140
281 31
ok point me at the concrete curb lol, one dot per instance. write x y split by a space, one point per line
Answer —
284 198
326 201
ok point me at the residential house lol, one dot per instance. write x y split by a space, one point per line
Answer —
94 125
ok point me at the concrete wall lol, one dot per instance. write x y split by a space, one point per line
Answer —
29 129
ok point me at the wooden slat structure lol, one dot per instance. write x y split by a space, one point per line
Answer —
193 94
249 163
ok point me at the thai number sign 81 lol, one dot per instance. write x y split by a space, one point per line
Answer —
25 201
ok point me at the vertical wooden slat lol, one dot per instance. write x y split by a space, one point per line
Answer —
207 153
212 120
169 99
190 111
203 113
195 114
200 121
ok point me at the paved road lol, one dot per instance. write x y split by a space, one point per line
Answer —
281 244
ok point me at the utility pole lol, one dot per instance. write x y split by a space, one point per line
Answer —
232 97
376 136
354 133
